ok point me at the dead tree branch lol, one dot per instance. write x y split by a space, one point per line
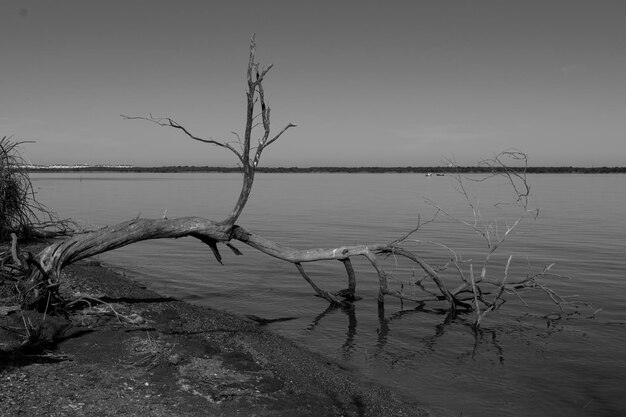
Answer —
249 160
43 271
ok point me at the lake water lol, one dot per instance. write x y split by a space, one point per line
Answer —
526 360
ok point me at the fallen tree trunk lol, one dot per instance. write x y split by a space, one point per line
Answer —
43 271
46 266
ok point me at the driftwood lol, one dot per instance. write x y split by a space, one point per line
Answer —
44 269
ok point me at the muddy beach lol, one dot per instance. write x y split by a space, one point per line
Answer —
142 353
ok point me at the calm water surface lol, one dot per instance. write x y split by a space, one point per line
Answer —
524 361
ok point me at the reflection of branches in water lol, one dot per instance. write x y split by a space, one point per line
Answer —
483 338
348 346
440 329
350 311
429 343
383 323
479 336
331 308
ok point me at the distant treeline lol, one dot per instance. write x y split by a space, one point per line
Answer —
349 170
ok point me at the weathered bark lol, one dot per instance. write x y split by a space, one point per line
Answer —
47 265
344 253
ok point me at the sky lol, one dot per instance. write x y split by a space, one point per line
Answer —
395 83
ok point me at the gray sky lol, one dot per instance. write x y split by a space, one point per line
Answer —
368 83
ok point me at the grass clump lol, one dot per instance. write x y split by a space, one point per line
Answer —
20 212
16 192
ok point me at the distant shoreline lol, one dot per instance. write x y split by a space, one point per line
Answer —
332 170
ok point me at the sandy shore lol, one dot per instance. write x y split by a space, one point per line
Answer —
144 354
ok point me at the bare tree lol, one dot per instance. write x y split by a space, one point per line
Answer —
43 271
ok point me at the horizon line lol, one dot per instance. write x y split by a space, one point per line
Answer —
314 169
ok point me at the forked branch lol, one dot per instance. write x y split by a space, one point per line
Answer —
255 95
168 122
